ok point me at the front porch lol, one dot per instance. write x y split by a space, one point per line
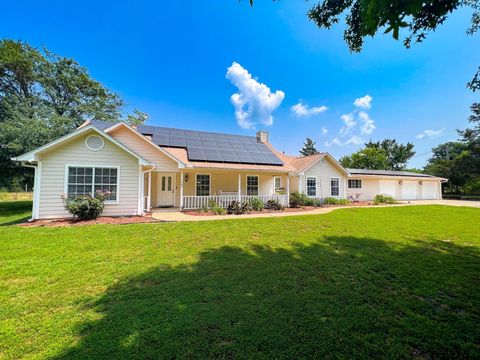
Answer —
193 189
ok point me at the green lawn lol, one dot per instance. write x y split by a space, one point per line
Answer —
394 282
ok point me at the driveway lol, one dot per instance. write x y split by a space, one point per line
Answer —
176 215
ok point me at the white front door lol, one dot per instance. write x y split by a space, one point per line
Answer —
166 189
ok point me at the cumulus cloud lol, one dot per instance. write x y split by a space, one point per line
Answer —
364 102
349 121
355 124
324 130
430 133
368 123
254 102
301 110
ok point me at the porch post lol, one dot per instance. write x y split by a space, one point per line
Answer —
288 186
239 187
149 199
181 190
300 184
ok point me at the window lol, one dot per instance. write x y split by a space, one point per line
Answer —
311 186
334 186
277 181
252 185
203 185
88 180
354 184
163 183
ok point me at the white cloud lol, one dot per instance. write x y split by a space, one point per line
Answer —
304 110
363 102
335 141
254 102
368 123
430 133
354 140
349 121
324 130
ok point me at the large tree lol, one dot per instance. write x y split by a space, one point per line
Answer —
44 96
308 148
368 158
381 155
397 154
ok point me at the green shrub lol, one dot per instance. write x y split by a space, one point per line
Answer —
335 201
218 210
238 208
297 199
273 205
383 199
256 204
211 204
86 207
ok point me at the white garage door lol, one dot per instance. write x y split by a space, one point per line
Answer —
429 190
409 190
388 187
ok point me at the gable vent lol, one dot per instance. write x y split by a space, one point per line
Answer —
94 143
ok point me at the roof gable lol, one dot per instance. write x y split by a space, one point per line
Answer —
33 155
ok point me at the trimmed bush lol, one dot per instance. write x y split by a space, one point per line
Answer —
238 208
335 201
383 199
297 199
86 207
273 205
256 204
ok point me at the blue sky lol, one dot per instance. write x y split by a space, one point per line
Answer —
170 59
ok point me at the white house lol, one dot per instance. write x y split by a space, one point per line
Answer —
150 166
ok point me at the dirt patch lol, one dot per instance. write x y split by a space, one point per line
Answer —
101 220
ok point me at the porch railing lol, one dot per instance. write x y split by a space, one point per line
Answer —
197 202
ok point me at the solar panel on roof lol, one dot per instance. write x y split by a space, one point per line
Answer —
205 146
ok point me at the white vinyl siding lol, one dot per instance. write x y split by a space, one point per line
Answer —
324 171
52 184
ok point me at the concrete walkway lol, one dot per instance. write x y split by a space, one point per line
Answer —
174 216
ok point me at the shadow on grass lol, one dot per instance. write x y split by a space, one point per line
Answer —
14 212
342 297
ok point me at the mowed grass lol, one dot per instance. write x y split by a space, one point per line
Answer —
398 282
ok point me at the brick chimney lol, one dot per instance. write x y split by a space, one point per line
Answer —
262 136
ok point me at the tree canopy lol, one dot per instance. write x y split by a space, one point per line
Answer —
381 155
397 154
308 148
44 96
367 158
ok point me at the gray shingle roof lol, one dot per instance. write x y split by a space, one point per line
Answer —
387 173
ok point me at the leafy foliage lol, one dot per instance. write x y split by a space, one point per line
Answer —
256 204
44 96
297 200
335 201
86 207
397 154
273 205
383 199
368 158
238 208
